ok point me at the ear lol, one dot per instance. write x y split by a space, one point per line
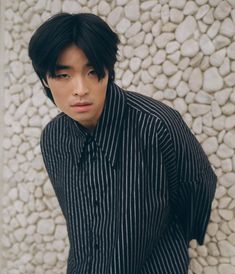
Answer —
45 83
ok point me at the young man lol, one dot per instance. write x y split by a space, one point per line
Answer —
132 181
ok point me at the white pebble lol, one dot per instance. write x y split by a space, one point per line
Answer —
180 105
174 57
148 5
228 109
176 16
161 81
22 109
40 5
172 47
56 6
23 193
179 4
229 139
226 165
71 6
213 29
225 67
22 220
146 78
60 232
197 125
137 39
159 57
206 45
209 17
222 96
202 11
222 10
210 145
50 258
231 51
224 151
175 79
8 42
195 80
165 14
195 266
221 41
219 123
231 192
45 226
121 2
123 25
133 29
203 97
17 69
189 48
169 68
19 234
226 268
155 13
190 8
217 58
115 16
141 51
104 8
197 109
227 27
182 89
226 249
135 63
212 80
164 38
212 229
232 3
185 29
169 94
132 10
13 194
156 28
230 122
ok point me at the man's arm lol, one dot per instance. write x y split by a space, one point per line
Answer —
192 180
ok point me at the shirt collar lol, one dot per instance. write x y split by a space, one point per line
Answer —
107 131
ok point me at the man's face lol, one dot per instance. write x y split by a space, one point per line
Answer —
76 89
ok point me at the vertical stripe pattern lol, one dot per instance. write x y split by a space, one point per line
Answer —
135 192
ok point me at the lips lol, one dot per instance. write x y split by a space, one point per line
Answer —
82 107
81 104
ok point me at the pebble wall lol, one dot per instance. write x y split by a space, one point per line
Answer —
177 51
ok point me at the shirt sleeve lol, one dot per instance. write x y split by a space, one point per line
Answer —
53 162
193 180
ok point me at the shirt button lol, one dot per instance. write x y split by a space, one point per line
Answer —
96 203
96 246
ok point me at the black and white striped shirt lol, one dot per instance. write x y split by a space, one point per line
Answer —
135 192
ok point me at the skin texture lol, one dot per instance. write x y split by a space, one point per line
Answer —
77 83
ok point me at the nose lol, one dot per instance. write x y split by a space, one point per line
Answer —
79 87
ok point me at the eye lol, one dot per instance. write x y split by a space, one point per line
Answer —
92 72
62 76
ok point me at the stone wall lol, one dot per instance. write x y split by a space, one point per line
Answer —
177 51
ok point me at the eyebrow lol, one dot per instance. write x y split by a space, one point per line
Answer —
65 67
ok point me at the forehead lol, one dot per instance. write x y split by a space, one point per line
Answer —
72 55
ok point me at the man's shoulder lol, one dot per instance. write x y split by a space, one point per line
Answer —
54 126
152 108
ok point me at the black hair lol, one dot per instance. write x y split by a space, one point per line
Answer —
86 30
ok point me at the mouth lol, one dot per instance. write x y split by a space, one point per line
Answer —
81 104
81 107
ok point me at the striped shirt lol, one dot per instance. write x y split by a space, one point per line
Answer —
134 192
